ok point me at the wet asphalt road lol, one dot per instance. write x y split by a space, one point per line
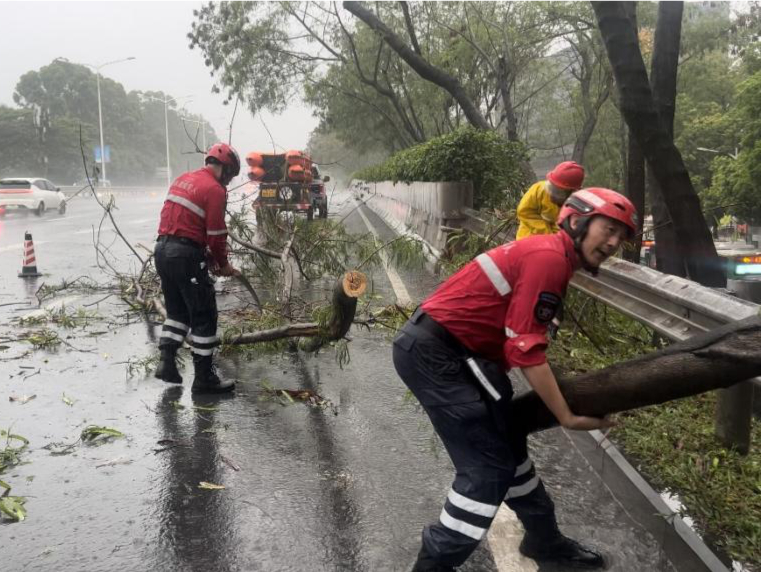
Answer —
347 487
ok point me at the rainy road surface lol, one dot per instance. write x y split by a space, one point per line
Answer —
348 487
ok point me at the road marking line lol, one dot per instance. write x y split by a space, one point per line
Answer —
402 296
504 537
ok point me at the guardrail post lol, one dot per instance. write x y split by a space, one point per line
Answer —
734 407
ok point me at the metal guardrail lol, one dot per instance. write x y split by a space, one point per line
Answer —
674 307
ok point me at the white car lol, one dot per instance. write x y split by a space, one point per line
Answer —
32 194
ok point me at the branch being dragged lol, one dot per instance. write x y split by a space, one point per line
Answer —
346 290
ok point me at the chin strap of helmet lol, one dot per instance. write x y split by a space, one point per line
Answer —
227 174
578 234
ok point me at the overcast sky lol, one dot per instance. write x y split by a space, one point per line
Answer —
32 34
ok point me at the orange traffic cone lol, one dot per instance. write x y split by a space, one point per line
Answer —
29 270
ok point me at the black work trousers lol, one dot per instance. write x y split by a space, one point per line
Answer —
189 297
487 447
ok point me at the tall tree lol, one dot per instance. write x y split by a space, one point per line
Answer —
634 184
663 76
638 107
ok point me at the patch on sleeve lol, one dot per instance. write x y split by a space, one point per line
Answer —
547 307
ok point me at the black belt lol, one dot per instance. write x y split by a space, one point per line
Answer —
430 326
181 239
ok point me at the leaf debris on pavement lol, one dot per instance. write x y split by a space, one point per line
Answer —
114 462
210 486
21 398
167 444
230 463
96 433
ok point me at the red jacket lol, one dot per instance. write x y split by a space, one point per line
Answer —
195 208
500 304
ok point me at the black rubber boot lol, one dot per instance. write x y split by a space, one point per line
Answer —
561 550
206 379
167 366
425 563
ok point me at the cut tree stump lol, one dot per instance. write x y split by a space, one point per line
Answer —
714 360
346 290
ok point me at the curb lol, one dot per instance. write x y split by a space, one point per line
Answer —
431 253
680 543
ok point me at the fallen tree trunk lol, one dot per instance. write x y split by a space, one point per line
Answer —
346 290
714 360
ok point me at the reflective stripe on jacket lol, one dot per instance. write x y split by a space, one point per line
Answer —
536 212
195 208
500 304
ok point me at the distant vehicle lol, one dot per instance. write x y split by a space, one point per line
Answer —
30 194
743 260
286 183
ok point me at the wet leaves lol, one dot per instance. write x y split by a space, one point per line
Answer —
99 434
230 463
167 444
210 486
205 408
114 462
21 399
10 455
291 396
142 367
13 507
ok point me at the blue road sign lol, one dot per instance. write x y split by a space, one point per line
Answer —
108 154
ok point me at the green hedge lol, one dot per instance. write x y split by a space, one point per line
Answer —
490 162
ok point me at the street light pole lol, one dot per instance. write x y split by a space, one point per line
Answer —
100 128
166 128
166 102
100 113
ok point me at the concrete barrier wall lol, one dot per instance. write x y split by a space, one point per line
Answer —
418 208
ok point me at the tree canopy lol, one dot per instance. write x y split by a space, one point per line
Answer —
41 136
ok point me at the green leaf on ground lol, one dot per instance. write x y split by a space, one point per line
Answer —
13 507
210 486
94 433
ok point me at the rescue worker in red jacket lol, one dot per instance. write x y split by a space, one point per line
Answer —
193 236
493 315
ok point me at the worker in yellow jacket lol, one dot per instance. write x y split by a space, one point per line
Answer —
540 205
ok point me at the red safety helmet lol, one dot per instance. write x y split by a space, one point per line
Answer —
568 175
227 156
596 201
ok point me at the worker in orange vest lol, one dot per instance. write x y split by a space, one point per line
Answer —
539 208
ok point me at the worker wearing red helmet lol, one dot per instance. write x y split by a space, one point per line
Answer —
539 207
493 315
192 242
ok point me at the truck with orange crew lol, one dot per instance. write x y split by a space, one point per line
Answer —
288 181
